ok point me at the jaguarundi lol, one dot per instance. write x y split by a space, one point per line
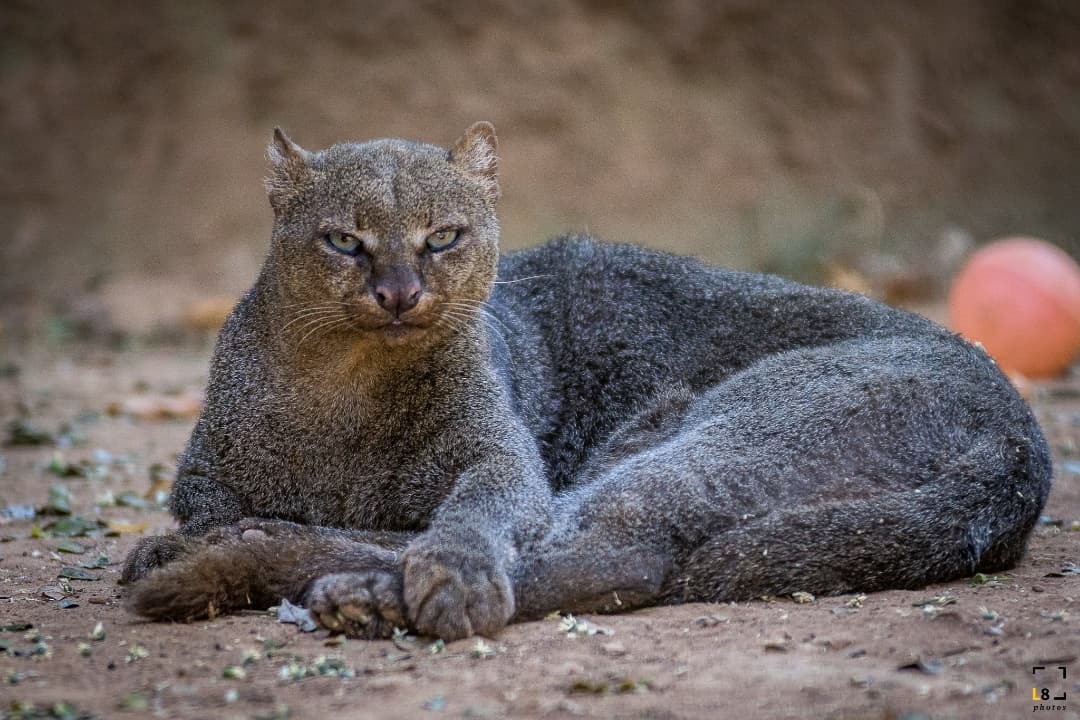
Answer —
403 428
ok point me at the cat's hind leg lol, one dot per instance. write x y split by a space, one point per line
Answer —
976 518
867 465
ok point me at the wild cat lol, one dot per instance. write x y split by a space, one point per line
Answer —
403 428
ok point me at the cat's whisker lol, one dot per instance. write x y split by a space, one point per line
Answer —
444 321
499 333
328 303
467 313
314 306
323 317
460 316
494 324
310 320
517 280
326 326
483 308
476 310
492 316
459 306
308 314
454 324
460 321
462 308
307 307
469 302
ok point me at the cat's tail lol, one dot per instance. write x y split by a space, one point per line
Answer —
976 517
212 578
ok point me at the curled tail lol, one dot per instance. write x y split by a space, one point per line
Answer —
217 576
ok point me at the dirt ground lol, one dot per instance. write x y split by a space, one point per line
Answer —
868 143
961 650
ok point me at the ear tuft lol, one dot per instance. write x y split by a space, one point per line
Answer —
477 153
290 167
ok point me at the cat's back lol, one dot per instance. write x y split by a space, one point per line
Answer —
585 294
622 325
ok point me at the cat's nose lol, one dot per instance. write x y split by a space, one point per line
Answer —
398 291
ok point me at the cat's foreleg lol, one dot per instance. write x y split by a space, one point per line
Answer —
457 573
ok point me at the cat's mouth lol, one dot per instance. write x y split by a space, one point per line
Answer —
399 325
398 331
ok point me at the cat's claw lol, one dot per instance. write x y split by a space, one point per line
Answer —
364 605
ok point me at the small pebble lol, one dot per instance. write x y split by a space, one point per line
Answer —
613 648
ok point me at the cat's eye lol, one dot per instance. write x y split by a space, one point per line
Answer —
442 239
342 242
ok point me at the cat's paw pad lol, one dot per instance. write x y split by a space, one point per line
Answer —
453 593
358 604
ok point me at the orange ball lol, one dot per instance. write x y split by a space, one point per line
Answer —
1020 298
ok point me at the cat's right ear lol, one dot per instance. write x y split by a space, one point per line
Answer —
290 168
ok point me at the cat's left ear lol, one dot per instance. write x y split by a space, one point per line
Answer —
477 153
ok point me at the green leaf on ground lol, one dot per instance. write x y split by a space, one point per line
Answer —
74 573
101 561
70 546
58 501
73 526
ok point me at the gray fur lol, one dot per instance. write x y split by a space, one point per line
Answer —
604 428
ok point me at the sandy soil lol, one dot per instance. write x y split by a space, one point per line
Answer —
968 653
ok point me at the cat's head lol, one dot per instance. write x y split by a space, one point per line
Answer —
387 241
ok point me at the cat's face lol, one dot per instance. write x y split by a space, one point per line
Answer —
389 241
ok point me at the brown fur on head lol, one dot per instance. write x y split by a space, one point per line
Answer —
364 246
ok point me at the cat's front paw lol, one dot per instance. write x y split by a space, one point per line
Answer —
364 605
453 591
151 553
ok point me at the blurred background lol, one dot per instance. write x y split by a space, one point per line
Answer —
868 145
